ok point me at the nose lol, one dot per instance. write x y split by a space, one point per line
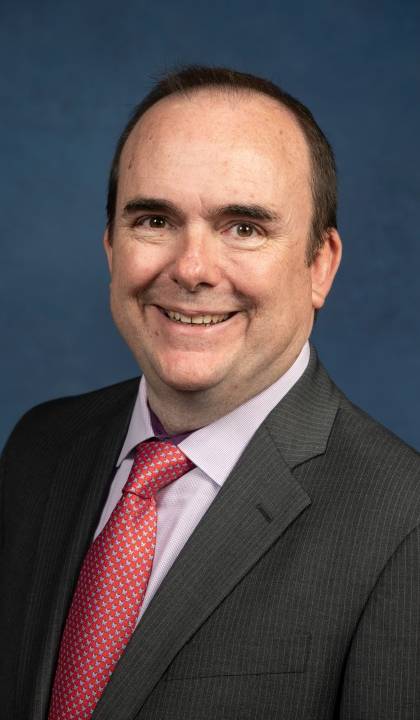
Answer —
196 264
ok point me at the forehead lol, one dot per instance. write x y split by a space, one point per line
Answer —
239 132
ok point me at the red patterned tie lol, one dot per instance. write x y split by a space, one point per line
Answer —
112 584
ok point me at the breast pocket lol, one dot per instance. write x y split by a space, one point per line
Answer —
271 656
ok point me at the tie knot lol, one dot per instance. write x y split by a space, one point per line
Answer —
156 464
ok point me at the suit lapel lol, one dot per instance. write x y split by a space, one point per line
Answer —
301 424
259 500
232 536
78 490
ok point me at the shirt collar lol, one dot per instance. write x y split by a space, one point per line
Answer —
140 427
217 447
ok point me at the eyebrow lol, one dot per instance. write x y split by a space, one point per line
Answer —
159 205
253 212
150 205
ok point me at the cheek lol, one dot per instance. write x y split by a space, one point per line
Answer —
263 281
129 273
284 294
138 265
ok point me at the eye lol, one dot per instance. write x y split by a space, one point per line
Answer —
244 235
152 222
244 230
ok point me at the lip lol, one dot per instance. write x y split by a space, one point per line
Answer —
194 313
193 328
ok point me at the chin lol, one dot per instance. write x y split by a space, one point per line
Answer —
186 380
188 384
184 373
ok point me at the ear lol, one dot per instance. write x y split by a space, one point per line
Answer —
325 266
108 248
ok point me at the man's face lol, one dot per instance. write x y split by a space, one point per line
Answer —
210 286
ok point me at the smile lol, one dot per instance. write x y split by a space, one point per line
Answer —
208 319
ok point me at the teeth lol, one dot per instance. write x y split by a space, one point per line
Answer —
196 319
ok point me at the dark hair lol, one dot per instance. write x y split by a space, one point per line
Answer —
195 77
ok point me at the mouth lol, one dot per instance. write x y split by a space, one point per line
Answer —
205 319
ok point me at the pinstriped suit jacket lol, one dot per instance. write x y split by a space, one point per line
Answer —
297 597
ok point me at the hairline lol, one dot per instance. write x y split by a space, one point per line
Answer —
230 90
226 88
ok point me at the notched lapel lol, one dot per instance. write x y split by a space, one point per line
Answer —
255 506
301 424
78 490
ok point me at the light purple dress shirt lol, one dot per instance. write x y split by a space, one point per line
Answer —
214 450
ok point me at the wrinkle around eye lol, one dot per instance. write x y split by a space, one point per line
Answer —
257 233
142 226
142 222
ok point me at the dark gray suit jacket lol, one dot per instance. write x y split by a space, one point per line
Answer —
297 597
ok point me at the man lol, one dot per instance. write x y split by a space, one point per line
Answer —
285 579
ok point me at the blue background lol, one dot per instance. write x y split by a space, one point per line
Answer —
72 71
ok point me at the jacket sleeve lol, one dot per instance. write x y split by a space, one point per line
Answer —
382 676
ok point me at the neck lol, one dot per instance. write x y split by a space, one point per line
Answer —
181 412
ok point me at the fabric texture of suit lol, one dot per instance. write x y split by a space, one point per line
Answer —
297 596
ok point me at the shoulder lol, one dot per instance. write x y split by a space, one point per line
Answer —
352 431
373 472
356 432
59 421
344 458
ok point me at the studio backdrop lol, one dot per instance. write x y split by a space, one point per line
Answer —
71 73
